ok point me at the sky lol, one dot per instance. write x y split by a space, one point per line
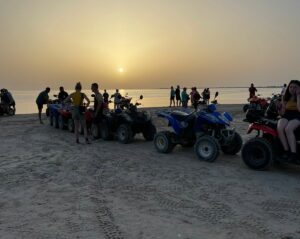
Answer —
148 43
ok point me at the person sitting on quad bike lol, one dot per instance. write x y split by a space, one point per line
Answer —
7 101
78 110
41 100
62 94
98 103
290 120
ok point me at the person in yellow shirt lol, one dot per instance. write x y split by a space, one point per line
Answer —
290 119
78 110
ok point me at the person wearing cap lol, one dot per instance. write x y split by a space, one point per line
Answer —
41 100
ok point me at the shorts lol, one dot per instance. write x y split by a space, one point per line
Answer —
172 97
291 115
77 114
178 97
40 106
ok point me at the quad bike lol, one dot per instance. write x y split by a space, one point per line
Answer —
207 130
260 152
257 103
125 124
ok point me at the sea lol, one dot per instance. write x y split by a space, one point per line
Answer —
25 100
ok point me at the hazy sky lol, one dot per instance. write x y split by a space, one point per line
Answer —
156 42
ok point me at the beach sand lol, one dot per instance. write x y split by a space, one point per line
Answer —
52 188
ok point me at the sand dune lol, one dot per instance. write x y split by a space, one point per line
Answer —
52 188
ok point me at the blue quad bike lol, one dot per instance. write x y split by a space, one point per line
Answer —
207 130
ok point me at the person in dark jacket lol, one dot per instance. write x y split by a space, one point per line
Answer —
41 100
62 94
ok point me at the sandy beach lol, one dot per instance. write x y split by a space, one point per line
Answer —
52 188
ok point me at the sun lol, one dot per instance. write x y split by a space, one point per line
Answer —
121 69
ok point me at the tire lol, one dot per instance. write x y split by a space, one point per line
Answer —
235 146
95 131
61 122
149 132
245 108
51 120
257 154
55 122
163 142
207 148
124 133
105 133
71 126
11 112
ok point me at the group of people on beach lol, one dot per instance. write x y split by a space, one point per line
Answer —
183 97
80 102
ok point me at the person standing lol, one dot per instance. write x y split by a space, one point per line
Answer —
207 96
98 102
178 98
41 100
252 91
184 98
172 96
62 94
78 111
117 98
105 97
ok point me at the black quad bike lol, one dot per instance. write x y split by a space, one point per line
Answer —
125 124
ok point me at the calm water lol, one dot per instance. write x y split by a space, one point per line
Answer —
25 100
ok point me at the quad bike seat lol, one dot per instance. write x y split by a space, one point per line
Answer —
182 116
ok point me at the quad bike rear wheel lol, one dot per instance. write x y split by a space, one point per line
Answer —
149 132
124 133
257 154
163 142
105 133
207 148
234 146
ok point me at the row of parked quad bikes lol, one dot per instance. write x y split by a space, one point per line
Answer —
206 129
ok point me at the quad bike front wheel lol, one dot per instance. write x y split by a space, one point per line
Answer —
257 154
234 146
124 133
163 142
149 132
207 148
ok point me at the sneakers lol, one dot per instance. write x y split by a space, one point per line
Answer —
87 141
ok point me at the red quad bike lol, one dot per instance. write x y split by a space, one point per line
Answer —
260 152
65 120
257 103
